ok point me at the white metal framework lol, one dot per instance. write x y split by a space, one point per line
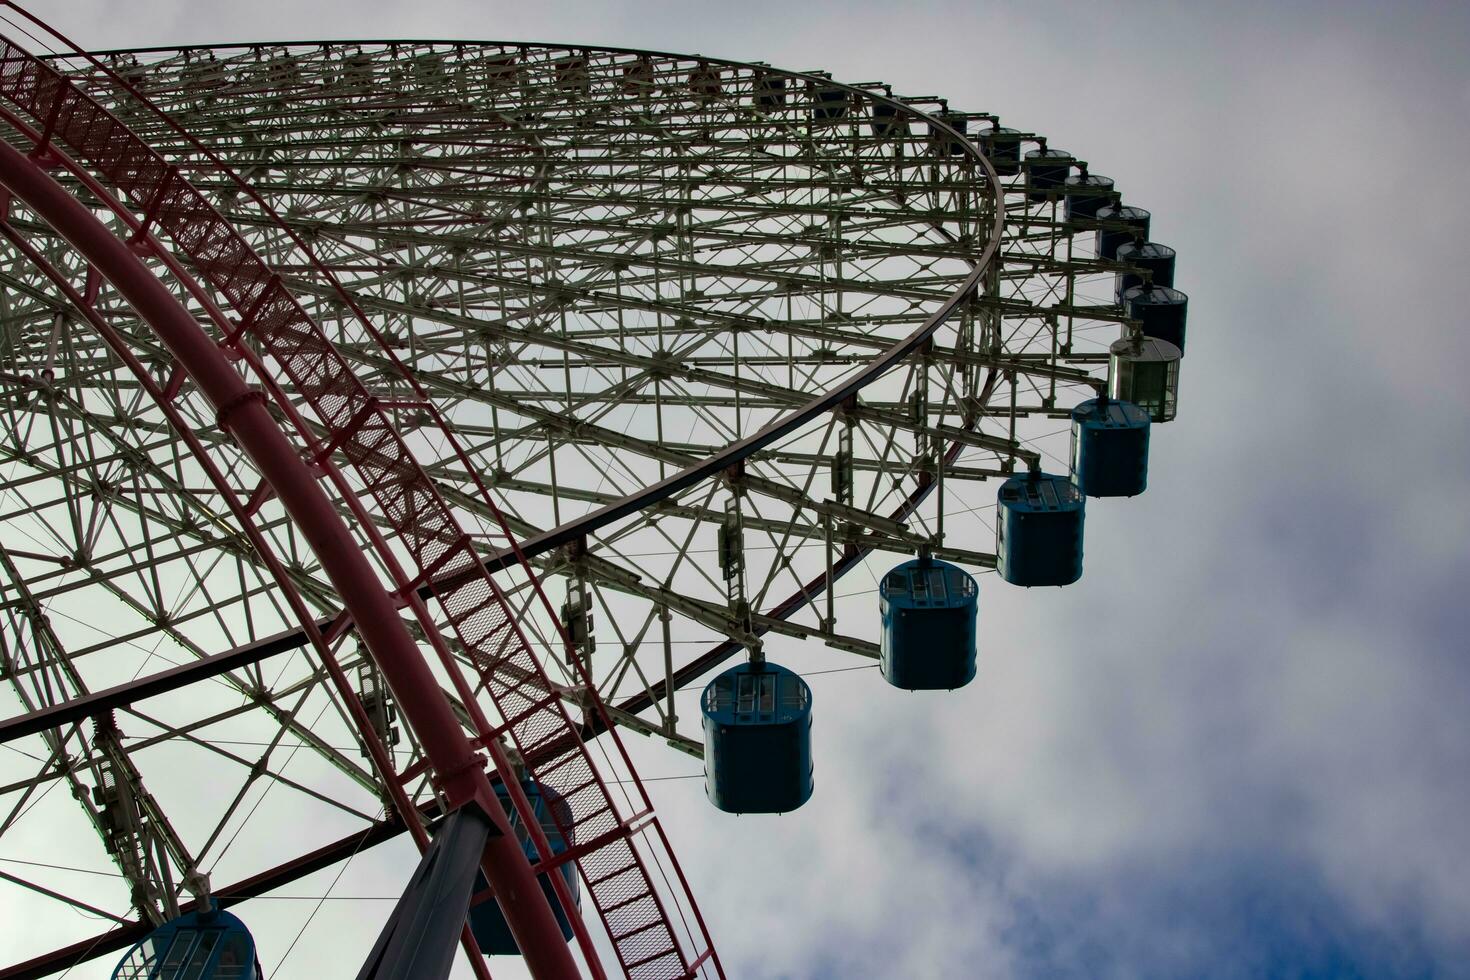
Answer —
613 272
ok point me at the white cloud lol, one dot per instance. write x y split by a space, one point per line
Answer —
1244 670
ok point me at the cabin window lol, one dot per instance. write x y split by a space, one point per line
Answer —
200 960
756 692
179 951
234 958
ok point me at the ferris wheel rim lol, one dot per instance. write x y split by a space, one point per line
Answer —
560 534
737 451
733 453
46 192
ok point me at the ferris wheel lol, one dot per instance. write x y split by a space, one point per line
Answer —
374 412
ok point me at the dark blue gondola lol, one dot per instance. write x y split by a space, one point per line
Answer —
1109 448
829 103
929 608
1145 371
206 945
757 739
1156 259
1038 527
1046 172
1087 194
1127 224
1160 311
1002 147
887 123
944 144
487 922
770 92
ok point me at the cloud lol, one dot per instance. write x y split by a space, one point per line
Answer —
1239 746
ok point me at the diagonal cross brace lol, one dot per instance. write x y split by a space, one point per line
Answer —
81 708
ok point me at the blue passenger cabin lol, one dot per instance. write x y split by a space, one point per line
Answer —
757 739
944 144
1160 311
929 608
572 75
1122 223
204 945
1109 448
487 922
770 92
1151 257
1038 530
887 122
1002 147
1046 172
1087 194
829 102
1145 371
638 75
705 80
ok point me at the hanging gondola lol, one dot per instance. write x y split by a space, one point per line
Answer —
206 945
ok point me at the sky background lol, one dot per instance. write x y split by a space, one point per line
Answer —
1240 745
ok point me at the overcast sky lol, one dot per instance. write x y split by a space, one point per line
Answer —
1240 746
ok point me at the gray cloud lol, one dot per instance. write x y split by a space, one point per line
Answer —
1239 746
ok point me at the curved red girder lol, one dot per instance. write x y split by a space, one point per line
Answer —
243 413
618 882
810 590
284 874
312 632
536 719
815 587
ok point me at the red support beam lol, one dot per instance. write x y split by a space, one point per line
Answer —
242 412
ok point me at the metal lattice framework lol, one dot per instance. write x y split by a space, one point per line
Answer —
531 313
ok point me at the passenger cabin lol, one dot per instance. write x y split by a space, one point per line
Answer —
1087 194
502 73
207 945
1038 529
1046 173
705 81
1151 257
888 123
929 609
1145 371
638 76
572 75
829 102
1121 224
757 739
1002 147
770 92
1160 311
1109 448
942 143
488 924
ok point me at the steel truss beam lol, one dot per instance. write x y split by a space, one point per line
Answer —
741 262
